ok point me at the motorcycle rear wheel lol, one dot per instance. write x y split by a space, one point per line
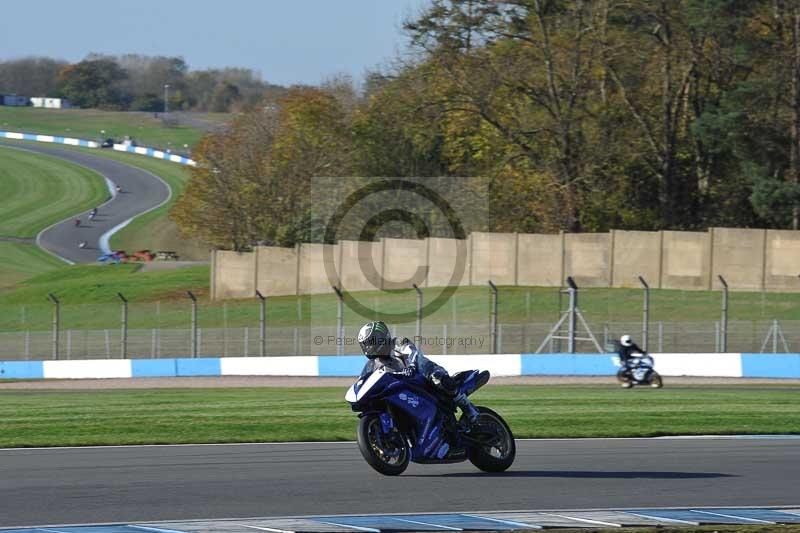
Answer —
499 455
387 453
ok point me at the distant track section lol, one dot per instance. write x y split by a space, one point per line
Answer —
141 192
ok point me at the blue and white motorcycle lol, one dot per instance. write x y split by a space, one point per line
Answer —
403 419
640 370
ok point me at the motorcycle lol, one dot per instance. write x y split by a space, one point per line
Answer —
403 419
639 371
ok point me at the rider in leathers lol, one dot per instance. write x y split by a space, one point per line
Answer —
626 348
401 356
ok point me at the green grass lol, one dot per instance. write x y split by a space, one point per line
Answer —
19 261
40 190
37 192
145 129
167 416
153 230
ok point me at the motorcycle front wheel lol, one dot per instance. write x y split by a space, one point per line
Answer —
388 453
655 380
499 450
624 379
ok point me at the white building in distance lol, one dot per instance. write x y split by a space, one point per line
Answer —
50 103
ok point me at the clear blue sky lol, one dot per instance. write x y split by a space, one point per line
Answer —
287 41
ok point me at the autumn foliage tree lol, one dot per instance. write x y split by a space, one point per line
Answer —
582 115
252 183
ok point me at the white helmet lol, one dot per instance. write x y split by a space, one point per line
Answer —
626 340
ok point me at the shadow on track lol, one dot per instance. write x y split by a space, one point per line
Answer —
585 474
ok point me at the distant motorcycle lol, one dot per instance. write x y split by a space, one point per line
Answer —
639 371
403 419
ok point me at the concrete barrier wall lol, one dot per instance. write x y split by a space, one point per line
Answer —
748 259
318 269
540 260
738 256
587 258
686 260
782 261
494 257
553 364
361 265
276 270
234 274
448 262
405 262
636 253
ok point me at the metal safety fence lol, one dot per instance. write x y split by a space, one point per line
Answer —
670 337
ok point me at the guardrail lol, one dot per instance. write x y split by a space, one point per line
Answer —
158 154
48 139
139 150
737 365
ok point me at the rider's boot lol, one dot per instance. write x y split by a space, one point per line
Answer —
467 408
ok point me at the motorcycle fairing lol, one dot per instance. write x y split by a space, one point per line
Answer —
411 397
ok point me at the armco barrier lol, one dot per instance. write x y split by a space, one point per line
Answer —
140 150
152 152
48 139
557 364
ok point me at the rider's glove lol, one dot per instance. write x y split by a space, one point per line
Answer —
408 371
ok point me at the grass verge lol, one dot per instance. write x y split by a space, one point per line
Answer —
174 416
19 261
145 128
39 190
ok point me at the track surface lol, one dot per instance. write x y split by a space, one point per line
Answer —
141 191
83 485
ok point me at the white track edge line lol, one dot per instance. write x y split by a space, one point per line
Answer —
475 514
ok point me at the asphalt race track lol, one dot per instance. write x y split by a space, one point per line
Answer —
141 191
91 485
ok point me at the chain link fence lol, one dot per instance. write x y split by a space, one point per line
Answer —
698 337
523 320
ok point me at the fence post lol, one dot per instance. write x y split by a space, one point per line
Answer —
573 304
56 322
194 323
124 332
225 329
724 332
339 320
493 318
646 312
419 313
262 324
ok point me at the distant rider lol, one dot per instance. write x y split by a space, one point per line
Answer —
626 348
402 357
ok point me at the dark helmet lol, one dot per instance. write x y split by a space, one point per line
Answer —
375 340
